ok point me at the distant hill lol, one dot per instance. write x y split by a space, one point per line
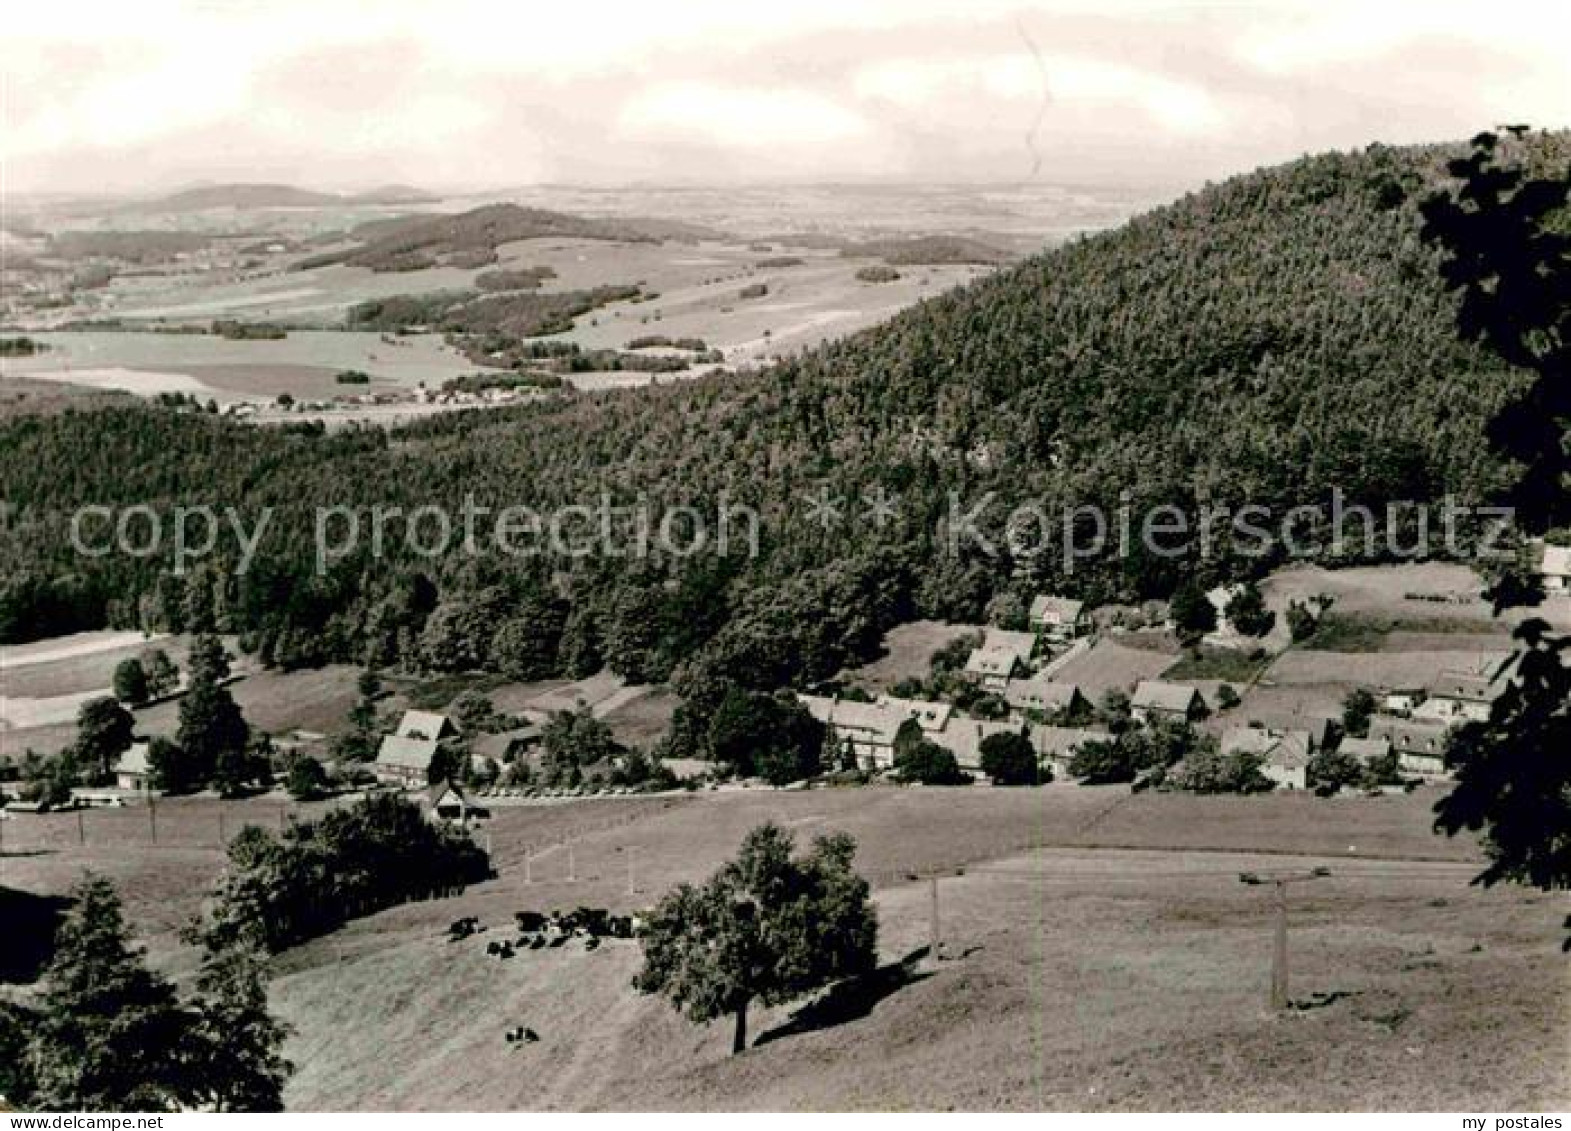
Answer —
246 196
916 251
470 239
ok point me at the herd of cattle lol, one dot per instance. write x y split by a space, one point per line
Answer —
539 931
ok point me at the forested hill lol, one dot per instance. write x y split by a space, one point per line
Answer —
1264 340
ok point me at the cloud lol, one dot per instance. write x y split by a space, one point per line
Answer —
480 92
739 117
1062 82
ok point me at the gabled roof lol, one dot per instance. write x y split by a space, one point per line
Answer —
400 753
1062 742
1157 695
427 724
497 745
134 760
445 791
1287 749
1021 644
1467 688
929 715
1060 610
992 661
1040 694
853 719
963 738
1366 749
1411 736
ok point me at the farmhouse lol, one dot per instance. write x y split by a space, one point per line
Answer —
1420 744
1369 751
869 727
404 758
1555 569
133 771
1284 754
1002 656
1402 700
963 738
1046 696
1058 745
930 716
1465 696
1058 618
1155 699
507 746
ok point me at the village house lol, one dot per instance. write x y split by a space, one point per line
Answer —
1369 751
1046 697
404 757
1002 656
1554 569
1057 618
133 770
1156 700
963 738
520 744
1420 744
1402 700
1466 696
1057 746
869 727
1284 754
930 716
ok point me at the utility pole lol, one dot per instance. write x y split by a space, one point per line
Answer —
1280 880
935 944
152 819
81 829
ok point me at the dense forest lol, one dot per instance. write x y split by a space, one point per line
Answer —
1263 340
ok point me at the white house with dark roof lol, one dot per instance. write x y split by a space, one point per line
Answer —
1156 699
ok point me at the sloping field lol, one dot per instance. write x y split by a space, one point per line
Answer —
1077 974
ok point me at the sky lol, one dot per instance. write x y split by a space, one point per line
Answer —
476 94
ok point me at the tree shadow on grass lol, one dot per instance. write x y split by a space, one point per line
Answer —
851 999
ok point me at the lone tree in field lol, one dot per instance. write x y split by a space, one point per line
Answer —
767 927
104 730
1193 613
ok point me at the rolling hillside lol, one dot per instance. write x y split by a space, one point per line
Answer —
1268 339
